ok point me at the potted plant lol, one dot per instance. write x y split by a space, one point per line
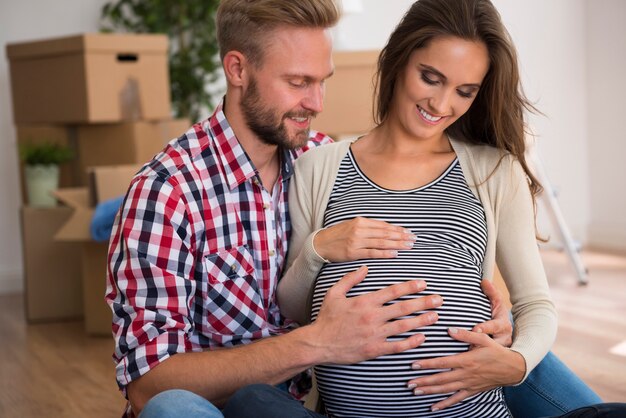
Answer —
41 170
193 56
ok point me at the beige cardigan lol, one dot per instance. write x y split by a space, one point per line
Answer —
511 242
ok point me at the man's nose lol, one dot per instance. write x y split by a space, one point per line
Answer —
314 100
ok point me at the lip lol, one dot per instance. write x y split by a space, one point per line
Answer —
301 125
430 122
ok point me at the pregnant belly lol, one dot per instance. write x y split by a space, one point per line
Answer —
378 387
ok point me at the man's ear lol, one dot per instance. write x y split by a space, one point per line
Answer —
235 68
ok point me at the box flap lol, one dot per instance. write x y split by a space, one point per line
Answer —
77 227
109 182
89 42
106 182
74 197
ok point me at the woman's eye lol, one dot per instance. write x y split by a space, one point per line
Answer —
465 94
428 80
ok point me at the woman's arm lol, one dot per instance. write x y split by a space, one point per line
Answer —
518 258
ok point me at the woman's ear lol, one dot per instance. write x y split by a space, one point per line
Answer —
234 63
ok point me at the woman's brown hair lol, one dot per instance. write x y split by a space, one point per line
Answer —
496 117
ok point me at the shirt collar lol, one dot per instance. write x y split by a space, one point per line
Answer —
238 167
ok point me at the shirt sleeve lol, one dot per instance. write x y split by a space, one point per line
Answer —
517 256
149 278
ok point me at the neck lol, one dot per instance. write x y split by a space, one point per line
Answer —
393 139
264 156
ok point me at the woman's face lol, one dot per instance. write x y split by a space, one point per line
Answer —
438 85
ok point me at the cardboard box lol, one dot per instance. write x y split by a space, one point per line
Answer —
90 78
52 270
102 144
105 183
124 143
349 95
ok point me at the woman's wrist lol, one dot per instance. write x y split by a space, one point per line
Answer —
315 247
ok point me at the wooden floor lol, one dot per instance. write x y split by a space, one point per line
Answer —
54 370
592 320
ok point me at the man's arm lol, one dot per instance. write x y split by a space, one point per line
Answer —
347 330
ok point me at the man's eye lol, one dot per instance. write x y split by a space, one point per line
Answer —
298 84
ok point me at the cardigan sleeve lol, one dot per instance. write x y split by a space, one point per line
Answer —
518 258
303 262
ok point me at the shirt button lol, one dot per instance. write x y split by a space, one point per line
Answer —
233 268
272 253
266 206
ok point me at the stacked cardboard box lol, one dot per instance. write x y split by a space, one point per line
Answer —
107 97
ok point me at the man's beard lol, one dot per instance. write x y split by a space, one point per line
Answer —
265 122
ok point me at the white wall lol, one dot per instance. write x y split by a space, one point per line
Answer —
555 42
22 20
606 90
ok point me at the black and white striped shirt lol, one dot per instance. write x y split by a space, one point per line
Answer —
451 231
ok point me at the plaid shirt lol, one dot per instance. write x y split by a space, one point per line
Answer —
197 250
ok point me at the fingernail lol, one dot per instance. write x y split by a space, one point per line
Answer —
393 253
418 392
453 330
412 386
408 244
479 330
412 237
434 409
416 366
436 300
432 316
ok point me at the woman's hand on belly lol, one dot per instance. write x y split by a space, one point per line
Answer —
361 238
486 366
500 327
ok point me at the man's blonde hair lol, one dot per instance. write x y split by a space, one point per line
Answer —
244 25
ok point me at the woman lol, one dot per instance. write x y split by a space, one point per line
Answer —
445 162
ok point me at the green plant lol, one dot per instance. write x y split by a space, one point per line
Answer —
190 26
46 153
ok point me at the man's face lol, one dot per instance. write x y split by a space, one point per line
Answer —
287 90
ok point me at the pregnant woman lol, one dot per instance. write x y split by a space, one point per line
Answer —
446 163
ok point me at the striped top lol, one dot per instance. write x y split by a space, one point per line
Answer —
451 231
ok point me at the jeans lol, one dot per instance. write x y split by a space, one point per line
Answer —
551 389
177 403
265 401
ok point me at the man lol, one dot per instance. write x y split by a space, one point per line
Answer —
201 238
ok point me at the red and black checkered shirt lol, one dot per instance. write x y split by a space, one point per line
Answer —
197 250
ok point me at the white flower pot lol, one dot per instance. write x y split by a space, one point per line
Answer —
41 180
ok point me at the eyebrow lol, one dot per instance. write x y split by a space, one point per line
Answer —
308 78
441 75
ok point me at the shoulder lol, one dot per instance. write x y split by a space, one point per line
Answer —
327 154
316 139
484 161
